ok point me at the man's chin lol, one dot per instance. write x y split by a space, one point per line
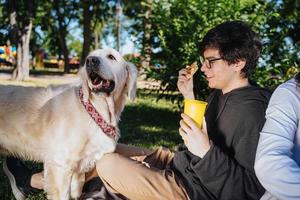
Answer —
212 85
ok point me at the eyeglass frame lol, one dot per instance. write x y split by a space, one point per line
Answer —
207 62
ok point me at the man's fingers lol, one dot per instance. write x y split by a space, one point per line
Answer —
182 79
184 126
189 121
183 71
204 127
182 133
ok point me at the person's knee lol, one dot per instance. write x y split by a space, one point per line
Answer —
105 165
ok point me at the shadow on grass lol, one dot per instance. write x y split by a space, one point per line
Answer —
5 190
146 126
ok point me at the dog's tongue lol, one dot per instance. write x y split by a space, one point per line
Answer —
106 83
96 81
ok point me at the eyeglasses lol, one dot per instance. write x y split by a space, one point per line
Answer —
208 62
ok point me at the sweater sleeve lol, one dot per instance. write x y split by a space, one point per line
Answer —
275 167
229 176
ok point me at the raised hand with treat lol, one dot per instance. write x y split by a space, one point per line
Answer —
185 80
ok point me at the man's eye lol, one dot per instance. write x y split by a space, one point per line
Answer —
111 57
211 61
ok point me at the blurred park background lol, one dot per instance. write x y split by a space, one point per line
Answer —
159 36
45 42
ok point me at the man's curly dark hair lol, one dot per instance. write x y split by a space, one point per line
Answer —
235 41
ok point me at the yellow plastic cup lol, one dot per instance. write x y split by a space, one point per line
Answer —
195 109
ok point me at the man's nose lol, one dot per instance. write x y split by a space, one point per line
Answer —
203 67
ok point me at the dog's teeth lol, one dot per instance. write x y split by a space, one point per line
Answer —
106 83
95 82
100 85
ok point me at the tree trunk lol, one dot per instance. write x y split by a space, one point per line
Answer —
62 33
87 32
65 50
98 35
146 55
20 32
96 39
21 72
118 24
13 36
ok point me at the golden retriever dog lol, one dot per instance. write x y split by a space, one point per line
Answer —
68 128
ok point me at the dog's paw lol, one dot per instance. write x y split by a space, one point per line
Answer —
77 183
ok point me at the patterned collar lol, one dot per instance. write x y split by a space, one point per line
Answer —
109 130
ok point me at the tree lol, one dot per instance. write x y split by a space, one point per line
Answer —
64 13
4 24
21 14
93 17
140 13
48 25
146 52
177 28
281 34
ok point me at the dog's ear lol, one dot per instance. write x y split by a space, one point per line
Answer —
85 86
131 80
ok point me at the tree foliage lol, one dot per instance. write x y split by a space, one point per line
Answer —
280 31
92 18
53 23
167 32
179 25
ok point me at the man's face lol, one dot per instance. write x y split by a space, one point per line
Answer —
219 74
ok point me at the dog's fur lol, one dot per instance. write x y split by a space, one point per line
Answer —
52 126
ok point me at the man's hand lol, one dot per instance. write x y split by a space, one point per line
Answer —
185 84
195 139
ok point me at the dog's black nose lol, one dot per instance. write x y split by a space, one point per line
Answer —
92 61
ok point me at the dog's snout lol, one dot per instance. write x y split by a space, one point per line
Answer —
92 61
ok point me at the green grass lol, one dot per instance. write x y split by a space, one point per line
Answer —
145 122
150 123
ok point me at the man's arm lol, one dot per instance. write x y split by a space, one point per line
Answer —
232 177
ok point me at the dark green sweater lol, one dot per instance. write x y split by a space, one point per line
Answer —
234 121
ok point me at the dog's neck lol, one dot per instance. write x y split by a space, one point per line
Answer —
107 123
105 107
120 101
119 105
109 106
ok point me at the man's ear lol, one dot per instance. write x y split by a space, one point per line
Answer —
239 65
132 74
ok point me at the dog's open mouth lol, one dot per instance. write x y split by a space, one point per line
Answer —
100 84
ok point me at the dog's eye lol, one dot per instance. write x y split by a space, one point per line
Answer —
111 57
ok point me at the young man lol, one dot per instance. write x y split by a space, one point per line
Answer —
219 163
214 163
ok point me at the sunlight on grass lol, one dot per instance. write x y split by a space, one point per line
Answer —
150 129
33 83
145 98
40 82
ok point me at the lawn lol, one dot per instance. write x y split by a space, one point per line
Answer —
145 122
